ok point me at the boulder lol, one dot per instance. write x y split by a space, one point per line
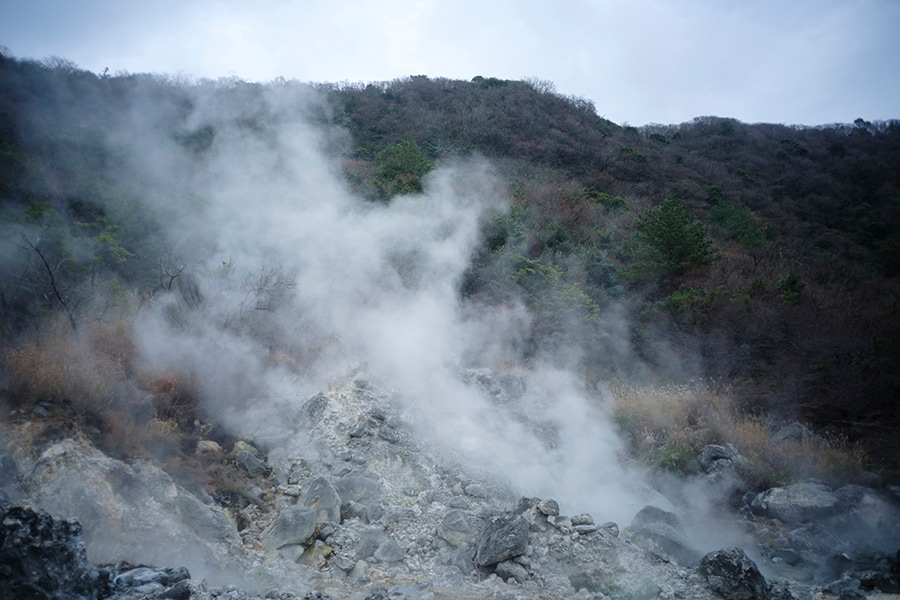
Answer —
44 557
732 574
295 526
130 512
511 570
869 516
717 457
355 487
797 503
662 533
41 557
251 463
456 529
321 496
503 538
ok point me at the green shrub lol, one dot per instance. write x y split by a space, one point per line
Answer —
400 167
791 286
739 223
676 239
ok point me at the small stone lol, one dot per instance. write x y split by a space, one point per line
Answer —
208 448
510 570
611 528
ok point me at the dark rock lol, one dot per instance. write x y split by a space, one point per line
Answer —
732 574
883 582
845 588
834 567
42 557
796 503
180 591
503 538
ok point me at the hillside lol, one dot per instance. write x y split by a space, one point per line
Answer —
763 257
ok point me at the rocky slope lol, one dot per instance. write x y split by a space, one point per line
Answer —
344 499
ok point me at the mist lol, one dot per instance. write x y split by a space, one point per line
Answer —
288 279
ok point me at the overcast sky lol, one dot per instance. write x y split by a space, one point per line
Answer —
640 61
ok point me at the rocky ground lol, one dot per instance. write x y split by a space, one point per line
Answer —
345 501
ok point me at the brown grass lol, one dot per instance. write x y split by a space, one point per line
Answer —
90 378
668 425
56 365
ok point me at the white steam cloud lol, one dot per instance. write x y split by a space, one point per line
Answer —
282 258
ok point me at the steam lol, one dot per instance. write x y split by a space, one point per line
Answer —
283 258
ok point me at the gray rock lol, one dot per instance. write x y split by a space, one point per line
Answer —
798 432
611 528
664 541
353 510
502 538
652 514
369 542
508 569
549 508
314 409
582 519
814 538
358 488
662 533
867 516
456 529
321 496
251 463
796 503
389 552
731 573
130 512
715 457
295 526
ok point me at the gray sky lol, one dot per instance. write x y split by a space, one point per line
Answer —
640 61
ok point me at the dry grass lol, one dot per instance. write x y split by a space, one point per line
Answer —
56 365
668 425
90 378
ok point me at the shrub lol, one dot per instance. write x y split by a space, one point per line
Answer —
791 286
400 168
675 237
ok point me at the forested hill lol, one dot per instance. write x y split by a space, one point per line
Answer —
765 255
